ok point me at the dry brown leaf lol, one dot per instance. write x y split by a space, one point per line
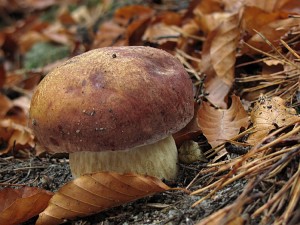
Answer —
110 34
269 113
2 71
254 19
5 105
218 91
127 27
93 193
292 6
163 28
268 6
160 33
17 5
258 22
15 135
272 32
58 34
19 205
219 125
218 59
28 39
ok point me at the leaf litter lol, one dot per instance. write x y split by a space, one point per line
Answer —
248 57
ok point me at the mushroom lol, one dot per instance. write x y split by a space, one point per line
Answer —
114 109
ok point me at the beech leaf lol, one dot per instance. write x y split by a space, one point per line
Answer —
5 105
219 125
15 135
19 205
218 59
93 193
269 113
268 6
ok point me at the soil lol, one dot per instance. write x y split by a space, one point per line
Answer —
171 207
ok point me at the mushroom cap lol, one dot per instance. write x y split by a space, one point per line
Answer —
111 98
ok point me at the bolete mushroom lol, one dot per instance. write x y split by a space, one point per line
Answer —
115 109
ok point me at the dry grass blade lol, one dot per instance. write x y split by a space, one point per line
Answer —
277 197
261 164
224 217
295 198
241 167
93 193
284 82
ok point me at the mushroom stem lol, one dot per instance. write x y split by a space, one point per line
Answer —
158 159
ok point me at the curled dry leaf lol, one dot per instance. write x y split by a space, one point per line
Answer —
26 4
2 72
127 27
218 59
5 105
14 135
160 33
219 125
264 20
268 6
19 205
269 113
93 193
163 28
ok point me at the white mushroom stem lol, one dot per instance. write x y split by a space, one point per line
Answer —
158 159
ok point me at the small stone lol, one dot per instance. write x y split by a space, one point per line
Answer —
190 152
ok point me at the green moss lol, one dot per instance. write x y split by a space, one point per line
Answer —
43 53
50 14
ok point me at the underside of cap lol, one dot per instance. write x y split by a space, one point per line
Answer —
112 98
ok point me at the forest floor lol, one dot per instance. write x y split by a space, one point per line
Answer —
171 207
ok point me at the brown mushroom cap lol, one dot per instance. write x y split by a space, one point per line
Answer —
111 98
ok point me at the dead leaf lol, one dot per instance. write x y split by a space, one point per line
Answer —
2 73
217 90
93 193
269 113
255 18
127 27
19 205
163 28
109 34
5 105
28 39
271 32
15 135
219 125
160 33
190 131
268 6
218 59
15 5
263 21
